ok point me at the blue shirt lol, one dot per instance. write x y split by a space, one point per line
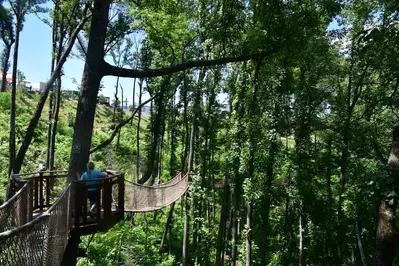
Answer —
94 174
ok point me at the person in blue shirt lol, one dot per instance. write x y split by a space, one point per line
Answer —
90 177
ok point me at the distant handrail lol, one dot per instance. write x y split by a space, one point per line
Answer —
160 186
44 172
8 202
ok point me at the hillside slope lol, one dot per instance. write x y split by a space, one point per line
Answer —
108 157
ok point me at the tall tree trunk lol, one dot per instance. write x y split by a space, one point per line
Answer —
252 115
185 118
168 226
152 166
302 238
7 53
194 125
91 79
234 227
248 257
55 123
116 100
54 54
134 95
387 235
360 244
343 178
327 240
138 131
120 120
224 213
12 146
267 201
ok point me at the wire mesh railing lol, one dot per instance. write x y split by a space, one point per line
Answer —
41 241
18 209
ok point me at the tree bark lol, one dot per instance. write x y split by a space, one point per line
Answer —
50 109
152 165
7 53
138 131
55 123
302 239
134 94
248 257
91 79
387 235
360 245
168 226
267 201
12 146
224 213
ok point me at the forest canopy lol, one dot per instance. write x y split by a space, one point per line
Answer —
284 113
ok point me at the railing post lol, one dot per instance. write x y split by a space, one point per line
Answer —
121 196
36 183
48 190
78 202
41 191
23 208
30 200
107 198
98 204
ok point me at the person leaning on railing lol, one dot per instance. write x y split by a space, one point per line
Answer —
90 177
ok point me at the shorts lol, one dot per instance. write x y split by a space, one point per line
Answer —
92 195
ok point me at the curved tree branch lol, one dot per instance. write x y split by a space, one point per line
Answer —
122 124
110 70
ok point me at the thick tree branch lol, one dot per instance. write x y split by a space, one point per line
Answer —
111 70
122 124
43 97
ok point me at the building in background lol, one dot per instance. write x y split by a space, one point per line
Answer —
8 77
38 86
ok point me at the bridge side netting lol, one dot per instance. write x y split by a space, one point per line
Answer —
41 241
139 198
17 210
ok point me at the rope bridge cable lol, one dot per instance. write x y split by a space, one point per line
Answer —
141 198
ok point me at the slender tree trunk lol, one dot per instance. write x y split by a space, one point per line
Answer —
360 245
343 177
12 146
138 131
55 123
91 79
234 228
51 100
185 259
267 201
168 226
134 95
121 119
248 257
7 52
152 166
328 241
116 99
224 213
302 239
387 235
185 118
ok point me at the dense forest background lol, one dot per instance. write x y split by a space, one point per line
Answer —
284 112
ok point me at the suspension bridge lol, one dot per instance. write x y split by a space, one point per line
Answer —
44 212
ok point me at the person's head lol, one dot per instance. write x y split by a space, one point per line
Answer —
90 166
